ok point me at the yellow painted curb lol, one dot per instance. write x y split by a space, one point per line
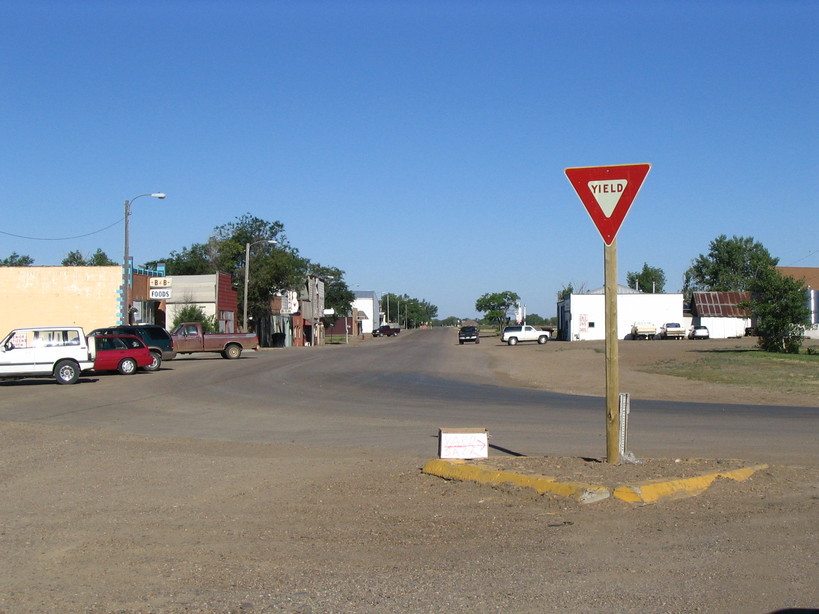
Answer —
653 491
460 470
640 494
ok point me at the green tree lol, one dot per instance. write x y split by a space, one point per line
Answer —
650 279
535 320
569 289
419 312
198 259
407 311
274 266
16 259
496 306
778 305
731 265
192 312
98 258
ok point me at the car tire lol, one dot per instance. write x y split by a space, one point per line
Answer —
512 341
232 351
127 366
156 362
67 372
460 341
543 339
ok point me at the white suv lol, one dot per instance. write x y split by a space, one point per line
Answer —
513 334
61 352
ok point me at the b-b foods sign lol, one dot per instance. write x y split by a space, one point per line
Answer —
160 282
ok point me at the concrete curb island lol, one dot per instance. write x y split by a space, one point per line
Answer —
641 493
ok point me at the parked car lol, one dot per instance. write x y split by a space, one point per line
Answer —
157 339
513 334
469 333
61 352
123 353
699 332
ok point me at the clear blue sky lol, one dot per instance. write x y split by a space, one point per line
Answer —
419 146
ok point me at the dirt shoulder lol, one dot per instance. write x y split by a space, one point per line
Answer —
579 368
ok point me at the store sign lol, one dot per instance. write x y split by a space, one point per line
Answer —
290 302
160 282
159 294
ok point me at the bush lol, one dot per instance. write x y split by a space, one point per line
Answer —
778 305
194 313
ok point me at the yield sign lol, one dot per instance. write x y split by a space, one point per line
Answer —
607 193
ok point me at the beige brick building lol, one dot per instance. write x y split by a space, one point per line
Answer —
59 295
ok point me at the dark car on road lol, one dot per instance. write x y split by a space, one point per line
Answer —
157 339
469 333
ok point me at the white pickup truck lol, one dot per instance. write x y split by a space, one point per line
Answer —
513 334
672 330
643 330
61 352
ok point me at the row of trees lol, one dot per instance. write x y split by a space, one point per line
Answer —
75 258
740 264
407 311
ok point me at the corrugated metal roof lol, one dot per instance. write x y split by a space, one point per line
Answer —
720 304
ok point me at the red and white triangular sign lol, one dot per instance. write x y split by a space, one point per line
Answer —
607 193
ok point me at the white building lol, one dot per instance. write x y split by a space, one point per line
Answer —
582 317
214 294
721 314
366 306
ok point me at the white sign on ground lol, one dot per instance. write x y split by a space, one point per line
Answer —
463 443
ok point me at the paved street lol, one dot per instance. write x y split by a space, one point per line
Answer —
289 481
394 394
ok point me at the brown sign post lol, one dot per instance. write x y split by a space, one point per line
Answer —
607 193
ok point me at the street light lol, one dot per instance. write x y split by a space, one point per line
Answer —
126 274
247 273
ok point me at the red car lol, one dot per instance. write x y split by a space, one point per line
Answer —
123 353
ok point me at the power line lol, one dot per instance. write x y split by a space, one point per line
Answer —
816 251
88 234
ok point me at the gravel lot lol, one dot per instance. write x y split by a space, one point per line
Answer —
94 521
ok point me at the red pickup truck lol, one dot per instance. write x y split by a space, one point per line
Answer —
189 338
385 330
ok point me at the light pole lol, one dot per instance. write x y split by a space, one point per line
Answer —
126 267
247 274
